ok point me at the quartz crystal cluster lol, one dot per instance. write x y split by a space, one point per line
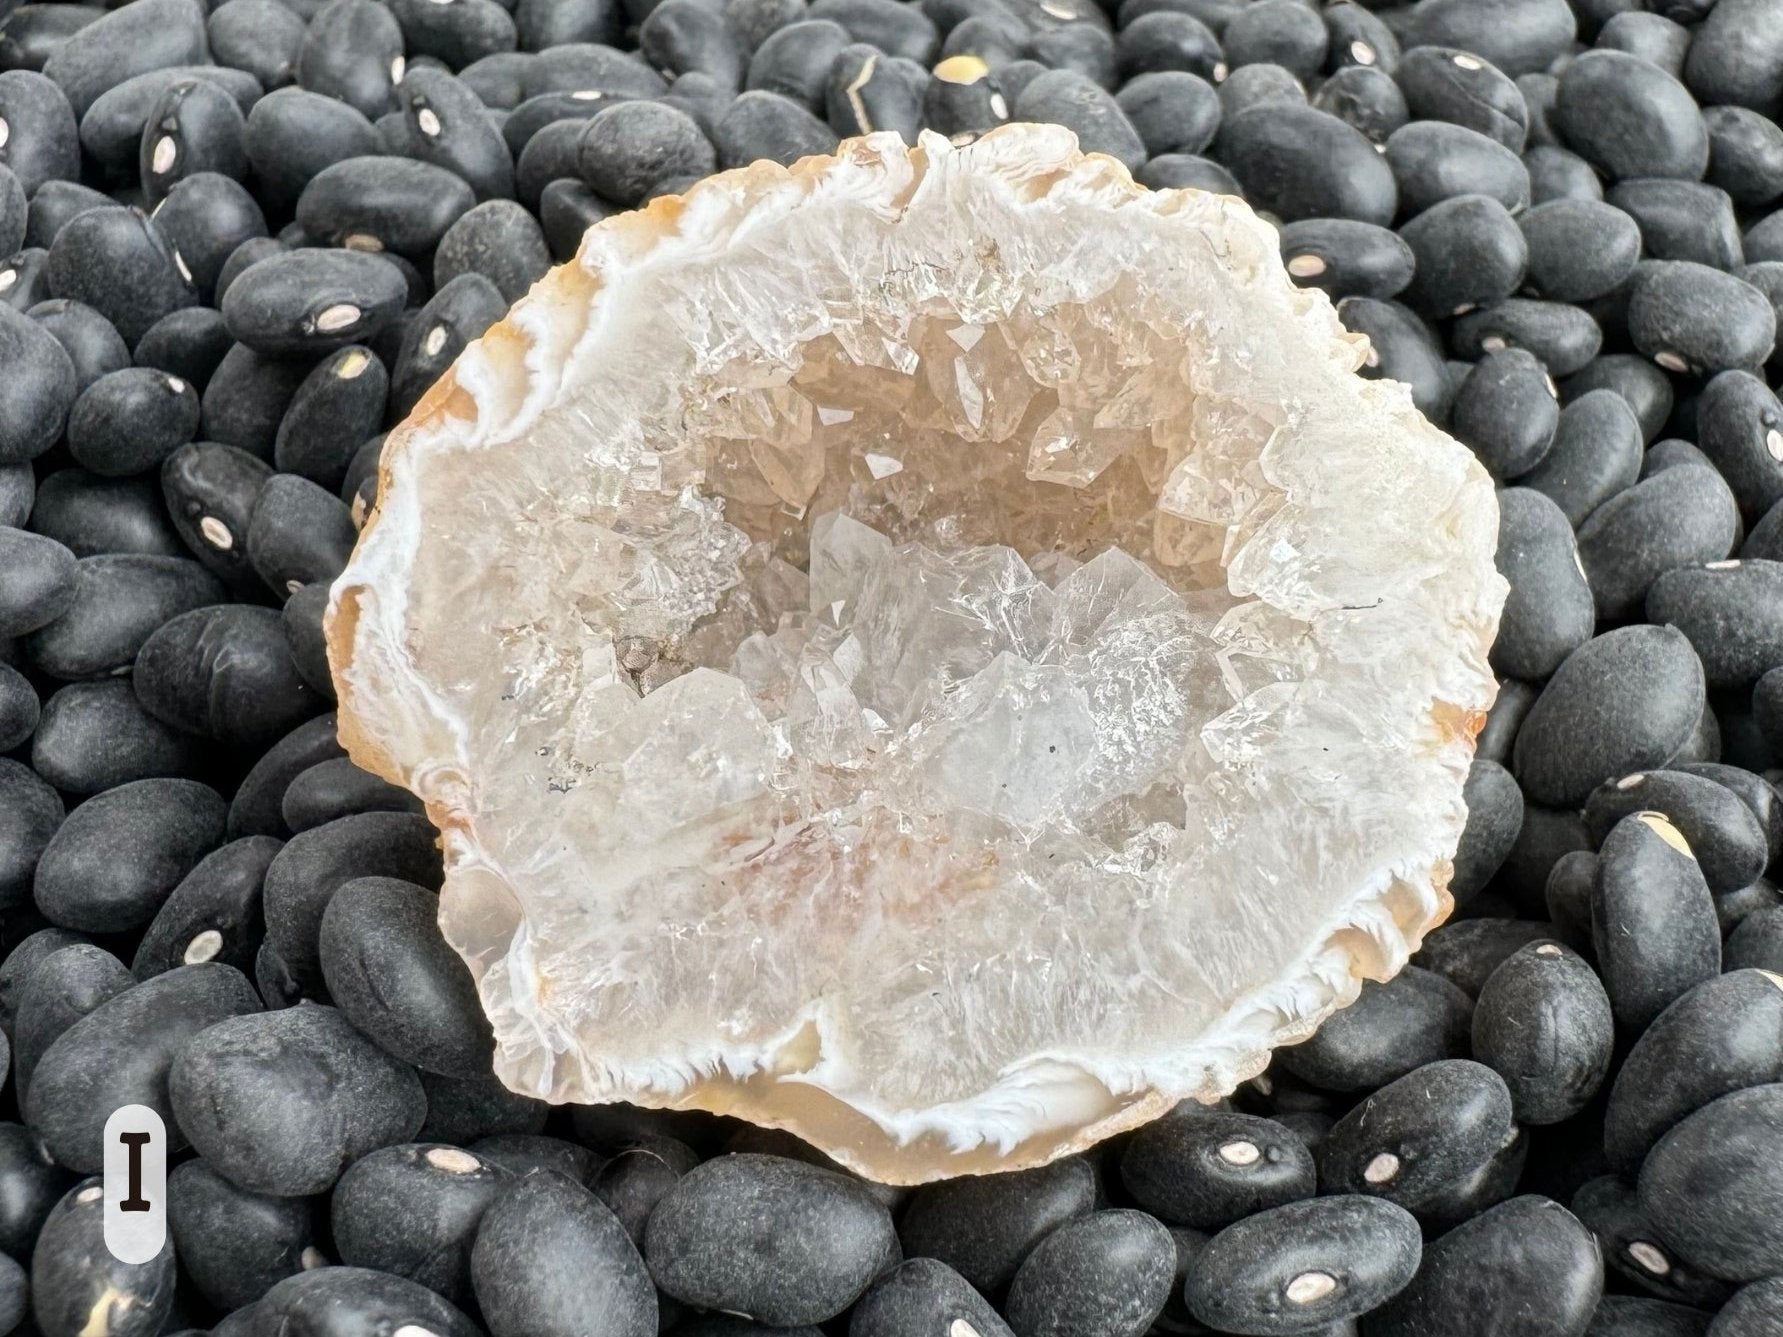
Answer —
936 649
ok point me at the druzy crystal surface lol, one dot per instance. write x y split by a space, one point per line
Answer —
936 649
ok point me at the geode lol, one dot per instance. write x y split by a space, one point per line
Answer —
935 649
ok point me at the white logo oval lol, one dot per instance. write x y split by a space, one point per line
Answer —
135 1184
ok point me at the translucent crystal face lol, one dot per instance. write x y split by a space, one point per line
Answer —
934 660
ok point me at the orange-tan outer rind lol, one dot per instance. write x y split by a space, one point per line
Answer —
1384 923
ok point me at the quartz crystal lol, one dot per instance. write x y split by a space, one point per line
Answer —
935 649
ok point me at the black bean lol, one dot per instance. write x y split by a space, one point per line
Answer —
337 788
1610 1209
23 283
128 421
412 1211
93 736
898 30
1745 154
1277 32
681 36
1414 1019
627 148
1652 37
1653 923
210 489
772 1239
1432 161
42 142
796 60
119 600
1736 56
91 515
1756 943
92 343
213 914
302 622
151 35
1516 35
249 252
1630 118
1729 843
29 38
1543 1024
548 1254
1107 1274
478 1112
20 709
1646 389
984 1226
1257 85
1571 885
299 534
312 301
458 313
1677 517
1401 348
39 583
867 92
37 391
1526 1266
262 37
393 975
224 672
1559 174
1731 611
74 1275
590 65
521 1153
1596 456
63 987
1563 337
257 806
632 1183
1363 97
1466 951
281 1102
1740 429
1753 1311
540 24
1682 220
499 240
349 1301
353 51
1346 258
1448 84
922 1295
1421 1140
15 968
383 203
111 130
194 126
292 134
964 97
234 1244
1178 171
117 262
120 1054
1689 317
1494 817
1299 162
1207 1168
209 219
1296 1267
447 126
1550 611
456 34
1714 1180
1469 252
1505 411
32 1184
761 125
535 114
315 863
1579 249
339 405
1172 111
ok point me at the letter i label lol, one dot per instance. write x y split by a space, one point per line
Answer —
135 1184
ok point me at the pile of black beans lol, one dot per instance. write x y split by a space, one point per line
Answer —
242 244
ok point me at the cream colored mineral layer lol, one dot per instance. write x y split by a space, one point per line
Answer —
934 649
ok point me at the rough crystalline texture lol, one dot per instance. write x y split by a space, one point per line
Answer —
935 649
